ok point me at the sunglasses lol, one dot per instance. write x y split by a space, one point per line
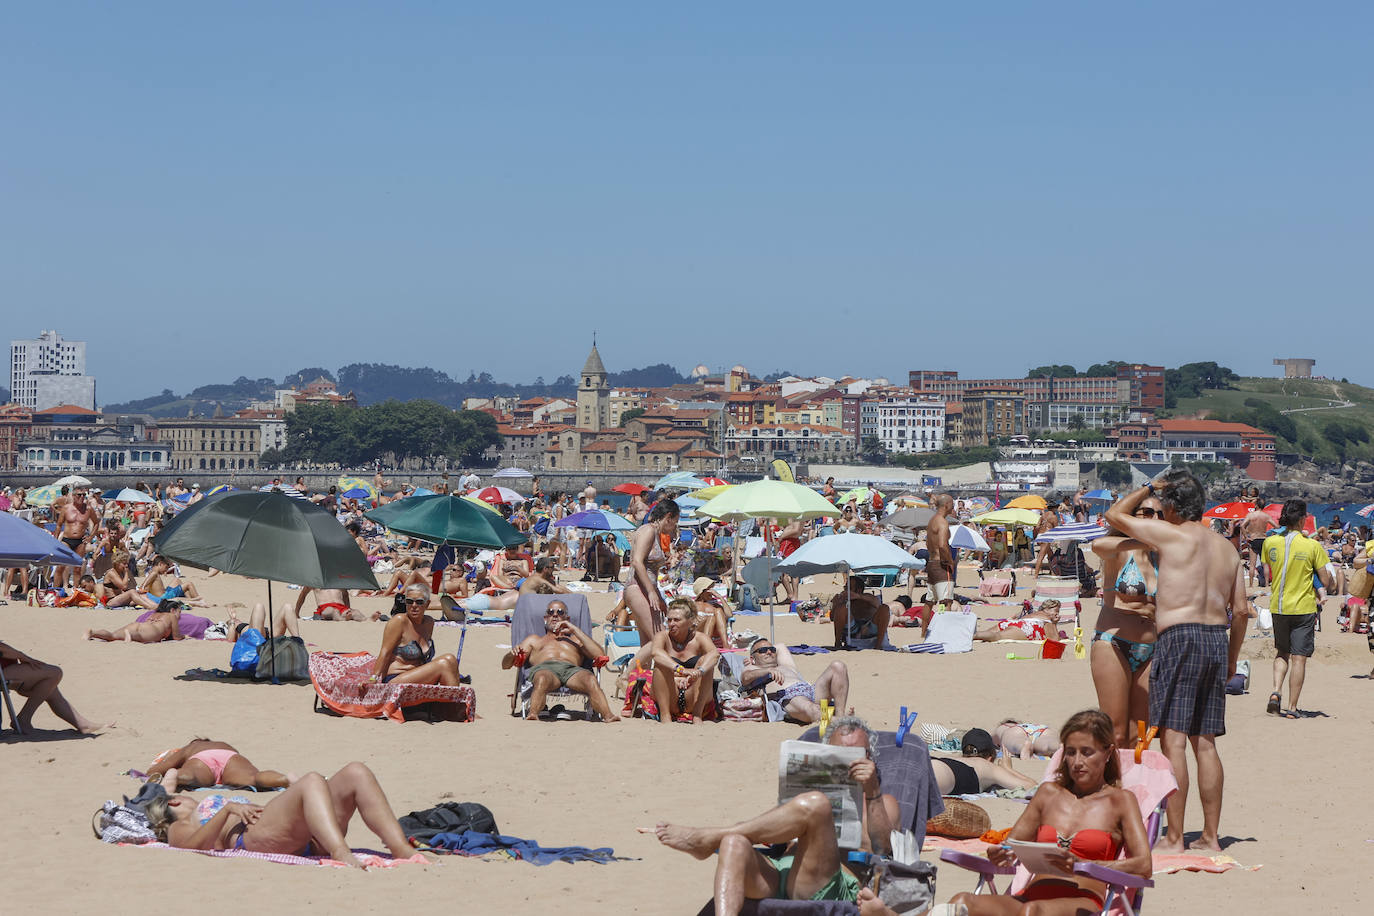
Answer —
416 601
556 614
765 650
1146 513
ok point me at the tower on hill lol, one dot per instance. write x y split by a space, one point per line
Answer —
593 393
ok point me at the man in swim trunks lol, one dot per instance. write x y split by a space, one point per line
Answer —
812 867
1253 529
556 659
940 565
79 520
798 697
1200 580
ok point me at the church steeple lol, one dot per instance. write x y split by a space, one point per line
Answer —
593 393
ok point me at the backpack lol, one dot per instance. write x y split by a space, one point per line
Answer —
448 817
292 660
244 655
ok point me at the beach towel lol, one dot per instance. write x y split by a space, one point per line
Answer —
953 630
370 858
469 843
341 681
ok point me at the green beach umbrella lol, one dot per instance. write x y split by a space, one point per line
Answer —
448 519
768 499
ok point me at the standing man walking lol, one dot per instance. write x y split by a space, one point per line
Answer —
1295 562
1253 529
940 563
1200 581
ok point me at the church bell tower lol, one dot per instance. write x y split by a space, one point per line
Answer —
593 393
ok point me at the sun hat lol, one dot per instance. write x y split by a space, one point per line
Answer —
701 584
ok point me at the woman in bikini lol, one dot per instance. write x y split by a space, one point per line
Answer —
1124 640
1086 812
116 589
309 818
202 762
407 653
650 549
684 663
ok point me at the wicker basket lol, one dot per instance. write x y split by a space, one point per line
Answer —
961 820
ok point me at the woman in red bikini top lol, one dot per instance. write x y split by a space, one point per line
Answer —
1087 813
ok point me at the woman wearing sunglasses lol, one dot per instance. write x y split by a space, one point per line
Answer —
1124 640
407 653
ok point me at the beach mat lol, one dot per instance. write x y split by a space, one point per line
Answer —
370 858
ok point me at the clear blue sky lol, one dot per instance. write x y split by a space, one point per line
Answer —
206 191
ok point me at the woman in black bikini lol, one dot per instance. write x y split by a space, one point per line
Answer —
976 772
684 662
407 653
1124 640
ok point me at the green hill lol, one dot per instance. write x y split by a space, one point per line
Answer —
1330 435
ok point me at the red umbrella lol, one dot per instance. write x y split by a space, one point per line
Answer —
1230 510
498 495
630 489
1309 524
715 482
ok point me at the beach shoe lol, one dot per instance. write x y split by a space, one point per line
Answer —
1272 708
560 713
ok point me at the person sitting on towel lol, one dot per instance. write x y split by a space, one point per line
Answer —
976 772
864 609
556 659
797 696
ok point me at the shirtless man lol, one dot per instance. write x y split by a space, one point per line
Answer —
157 590
798 697
1253 528
853 601
789 539
1200 579
78 520
163 625
555 659
940 565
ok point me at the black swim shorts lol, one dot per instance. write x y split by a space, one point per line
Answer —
1188 679
1295 634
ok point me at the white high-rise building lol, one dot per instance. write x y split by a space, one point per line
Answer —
50 371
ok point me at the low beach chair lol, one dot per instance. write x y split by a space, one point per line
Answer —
342 687
619 644
1151 781
528 620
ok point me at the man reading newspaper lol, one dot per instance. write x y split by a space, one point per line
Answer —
828 792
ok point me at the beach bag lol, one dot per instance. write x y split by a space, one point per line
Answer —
961 820
448 817
244 655
292 660
541 527
906 888
810 609
994 588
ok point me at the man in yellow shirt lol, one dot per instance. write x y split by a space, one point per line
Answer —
1295 564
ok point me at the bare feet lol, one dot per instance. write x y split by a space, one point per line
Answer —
87 727
690 840
88 634
613 718
1205 845
1166 847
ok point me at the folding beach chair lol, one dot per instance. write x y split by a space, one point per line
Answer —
9 703
1151 781
619 644
528 620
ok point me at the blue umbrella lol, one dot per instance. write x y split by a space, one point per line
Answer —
966 538
22 543
422 491
846 552
680 480
596 520
356 493
1103 495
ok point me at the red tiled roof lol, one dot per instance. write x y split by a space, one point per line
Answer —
702 453
601 445
665 447
67 410
1208 426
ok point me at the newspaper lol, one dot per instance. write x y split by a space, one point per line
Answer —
805 766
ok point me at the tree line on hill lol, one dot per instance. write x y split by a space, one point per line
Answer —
1187 381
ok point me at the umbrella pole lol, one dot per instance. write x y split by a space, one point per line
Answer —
271 627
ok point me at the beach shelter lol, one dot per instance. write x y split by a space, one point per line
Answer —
768 499
1100 495
128 495
714 482
476 502
847 553
512 473
1076 532
267 536
861 495
222 488
349 487
1028 501
596 520
709 493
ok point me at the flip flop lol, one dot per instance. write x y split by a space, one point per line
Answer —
1273 706
1289 714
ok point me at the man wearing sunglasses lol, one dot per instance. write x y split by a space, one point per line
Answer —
556 659
1200 580
797 696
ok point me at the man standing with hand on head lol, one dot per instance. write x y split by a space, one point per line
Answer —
940 563
1200 581
1293 560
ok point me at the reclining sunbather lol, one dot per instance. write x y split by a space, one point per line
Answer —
1084 810
798 697
310 818
202 762
975 772
1031 624
556 660
333 604
161 626
1023 739
812 868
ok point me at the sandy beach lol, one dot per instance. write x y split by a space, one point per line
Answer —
1296 798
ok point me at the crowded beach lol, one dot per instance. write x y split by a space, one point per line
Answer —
1084 697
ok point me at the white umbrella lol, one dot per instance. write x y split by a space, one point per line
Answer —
513 474
127 495
72 480
966 538
1077 532
847 552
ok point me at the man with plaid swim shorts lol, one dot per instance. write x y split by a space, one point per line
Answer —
1201 615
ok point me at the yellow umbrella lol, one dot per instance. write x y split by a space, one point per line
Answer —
711 492
485 505
1008 516
1029 501
911 502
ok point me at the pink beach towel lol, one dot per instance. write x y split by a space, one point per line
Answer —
341 680
368 857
